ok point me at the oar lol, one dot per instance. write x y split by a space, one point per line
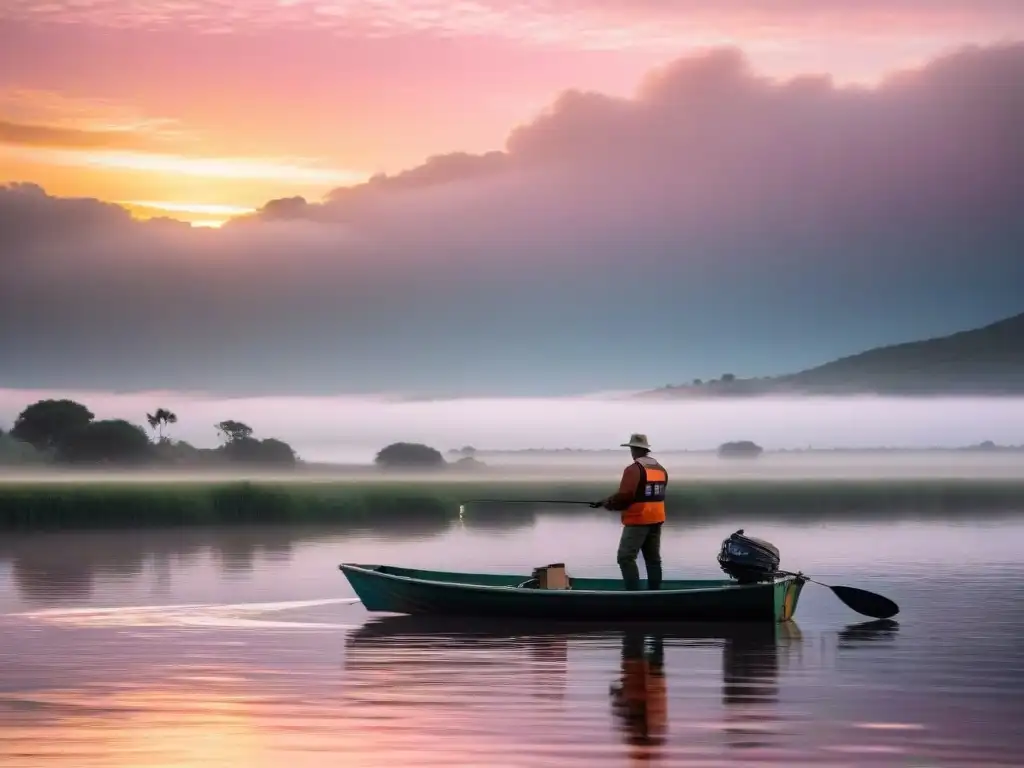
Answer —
860 600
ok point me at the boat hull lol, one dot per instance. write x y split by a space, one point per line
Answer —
389 589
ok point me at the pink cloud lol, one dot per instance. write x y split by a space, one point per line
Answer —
595 24
351 104
459 72
706 140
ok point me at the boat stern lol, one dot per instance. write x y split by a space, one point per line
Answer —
787 596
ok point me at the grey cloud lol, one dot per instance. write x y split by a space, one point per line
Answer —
745 224
706 141
436 171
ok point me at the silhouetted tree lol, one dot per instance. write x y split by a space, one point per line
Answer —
409 456
46 423
113 441
159 420
269 451
740 449
728 377
178 452
233 431
277 451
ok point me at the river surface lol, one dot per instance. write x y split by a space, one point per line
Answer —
244 647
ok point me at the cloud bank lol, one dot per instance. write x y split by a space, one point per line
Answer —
715 221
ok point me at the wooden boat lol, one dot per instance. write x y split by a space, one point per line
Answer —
391 589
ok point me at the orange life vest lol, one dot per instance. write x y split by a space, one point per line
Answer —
648 505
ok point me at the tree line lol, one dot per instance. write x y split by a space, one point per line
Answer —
66 432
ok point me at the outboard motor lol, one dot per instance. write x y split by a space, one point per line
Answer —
748 560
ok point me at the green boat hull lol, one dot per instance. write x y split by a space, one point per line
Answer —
390 589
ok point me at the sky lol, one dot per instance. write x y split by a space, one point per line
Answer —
203 110
524 198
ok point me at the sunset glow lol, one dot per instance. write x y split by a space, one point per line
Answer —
213 168
198 214
217 108
213 210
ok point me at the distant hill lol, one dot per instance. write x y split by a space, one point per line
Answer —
983 361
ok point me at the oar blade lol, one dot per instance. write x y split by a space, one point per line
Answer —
867 603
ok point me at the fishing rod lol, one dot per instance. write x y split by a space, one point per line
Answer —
591 504
528 501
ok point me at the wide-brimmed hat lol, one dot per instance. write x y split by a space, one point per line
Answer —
636 440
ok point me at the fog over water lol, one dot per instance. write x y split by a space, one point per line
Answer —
349 429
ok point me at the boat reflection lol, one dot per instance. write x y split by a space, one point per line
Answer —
751 663
509 663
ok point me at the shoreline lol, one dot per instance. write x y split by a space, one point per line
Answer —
34 505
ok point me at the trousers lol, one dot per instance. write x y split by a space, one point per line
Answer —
637 539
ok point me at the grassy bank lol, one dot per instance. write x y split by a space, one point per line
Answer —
38 504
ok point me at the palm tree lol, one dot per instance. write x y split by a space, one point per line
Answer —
159 420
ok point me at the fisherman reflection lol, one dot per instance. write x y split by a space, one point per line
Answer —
639 700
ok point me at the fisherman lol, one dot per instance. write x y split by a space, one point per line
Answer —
641 501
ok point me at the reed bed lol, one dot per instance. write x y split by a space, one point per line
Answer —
38 504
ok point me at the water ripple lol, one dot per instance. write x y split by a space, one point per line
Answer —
169 666
231 616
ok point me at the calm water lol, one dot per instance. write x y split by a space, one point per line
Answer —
244 648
